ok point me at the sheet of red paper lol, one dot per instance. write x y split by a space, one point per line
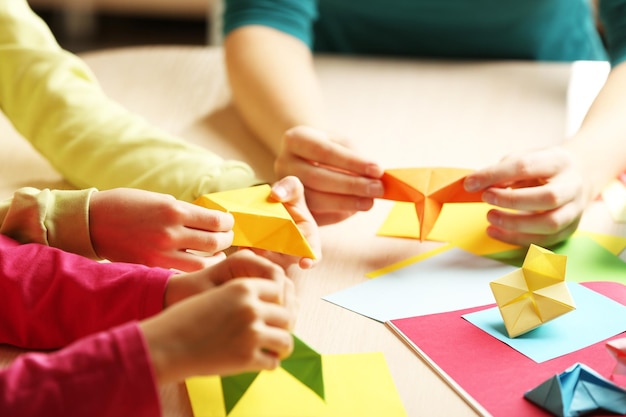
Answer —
488 372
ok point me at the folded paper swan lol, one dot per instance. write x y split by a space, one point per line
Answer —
535 293
259 222
429 189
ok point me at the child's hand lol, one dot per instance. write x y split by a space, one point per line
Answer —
290 192
241 325
130 225
545 187
241 264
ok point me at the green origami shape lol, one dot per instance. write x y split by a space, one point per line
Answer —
304 363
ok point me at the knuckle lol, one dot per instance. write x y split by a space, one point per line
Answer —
523 166
165 238
285 345
552 223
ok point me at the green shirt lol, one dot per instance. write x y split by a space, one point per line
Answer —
547 30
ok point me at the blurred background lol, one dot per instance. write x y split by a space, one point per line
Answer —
85 25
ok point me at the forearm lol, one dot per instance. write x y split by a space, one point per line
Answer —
273 82
599 144
107 374
51 298
54 101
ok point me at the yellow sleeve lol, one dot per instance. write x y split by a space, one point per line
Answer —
58 218
54 101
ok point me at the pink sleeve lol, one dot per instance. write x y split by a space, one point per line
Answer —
50 298
107 374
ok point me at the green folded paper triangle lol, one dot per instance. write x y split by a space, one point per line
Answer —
304 363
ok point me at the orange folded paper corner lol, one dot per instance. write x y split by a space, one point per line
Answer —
259 221
429 189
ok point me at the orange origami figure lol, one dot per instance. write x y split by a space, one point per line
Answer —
429 189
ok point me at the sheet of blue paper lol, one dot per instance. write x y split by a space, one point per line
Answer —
596 318
451 280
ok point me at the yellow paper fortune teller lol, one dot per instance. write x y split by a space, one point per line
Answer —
429 189
259 221
535 293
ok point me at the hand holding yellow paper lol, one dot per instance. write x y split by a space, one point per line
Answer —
535 293
429 189
259 222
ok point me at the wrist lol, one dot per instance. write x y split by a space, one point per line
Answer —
183 285
158 354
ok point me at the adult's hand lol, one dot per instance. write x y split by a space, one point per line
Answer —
545 190
338 182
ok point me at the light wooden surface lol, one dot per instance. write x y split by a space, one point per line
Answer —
403 113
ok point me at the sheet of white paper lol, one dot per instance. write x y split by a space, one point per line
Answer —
451 280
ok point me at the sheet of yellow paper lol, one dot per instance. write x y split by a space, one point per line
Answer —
461 224
354 384
406 262
401 222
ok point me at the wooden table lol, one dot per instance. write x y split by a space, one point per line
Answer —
404 113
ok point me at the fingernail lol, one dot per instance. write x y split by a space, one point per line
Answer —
490 198
494 218
471 184
280 192
364 204
375 189
373 171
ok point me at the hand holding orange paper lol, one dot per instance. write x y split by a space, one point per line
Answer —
259 221
429 189
535 293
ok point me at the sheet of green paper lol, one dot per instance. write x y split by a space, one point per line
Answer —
587 260
235 386
614 244
304 364
354 385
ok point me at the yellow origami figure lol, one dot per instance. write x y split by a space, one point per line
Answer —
533 294
259 221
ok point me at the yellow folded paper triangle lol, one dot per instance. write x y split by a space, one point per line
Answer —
534 294
259 222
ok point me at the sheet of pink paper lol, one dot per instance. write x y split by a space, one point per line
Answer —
487 373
